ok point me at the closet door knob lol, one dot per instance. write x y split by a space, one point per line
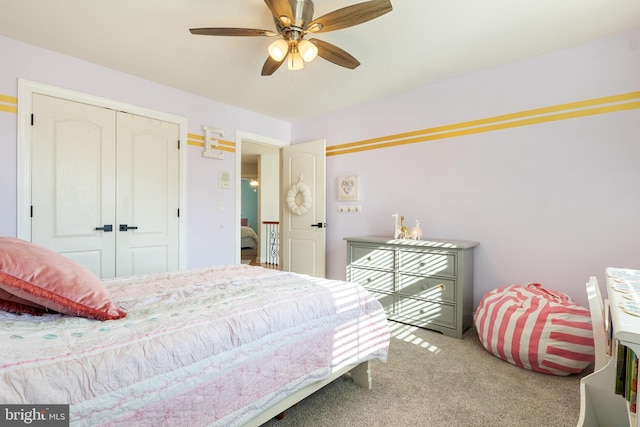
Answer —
106 228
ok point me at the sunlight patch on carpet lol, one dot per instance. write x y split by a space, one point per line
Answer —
405 333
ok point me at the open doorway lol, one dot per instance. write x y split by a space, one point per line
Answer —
258 164
249 225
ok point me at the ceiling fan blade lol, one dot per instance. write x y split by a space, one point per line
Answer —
242 32
349 16
333 53
280 8
270 66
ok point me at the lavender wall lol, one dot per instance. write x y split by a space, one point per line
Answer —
211 233
553 202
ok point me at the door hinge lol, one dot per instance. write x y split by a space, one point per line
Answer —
32 119
178 144
178 212
31 211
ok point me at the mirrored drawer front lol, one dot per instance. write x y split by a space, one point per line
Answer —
431 263
423 313
388 301
373 280
372 257
427 287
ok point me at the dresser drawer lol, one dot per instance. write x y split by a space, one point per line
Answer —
438 263
371 256
431 288
373 280
424 313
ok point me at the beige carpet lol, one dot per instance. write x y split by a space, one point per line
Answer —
434 380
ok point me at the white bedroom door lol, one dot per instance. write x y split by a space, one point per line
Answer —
303 232
97 174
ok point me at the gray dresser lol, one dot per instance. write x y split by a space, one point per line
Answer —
425 283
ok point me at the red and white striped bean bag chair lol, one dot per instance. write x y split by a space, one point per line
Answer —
536 328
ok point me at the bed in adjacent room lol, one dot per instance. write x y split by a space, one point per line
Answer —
227 345
248 238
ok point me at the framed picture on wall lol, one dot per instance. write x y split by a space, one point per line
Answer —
348 188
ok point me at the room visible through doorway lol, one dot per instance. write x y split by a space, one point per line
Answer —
259 200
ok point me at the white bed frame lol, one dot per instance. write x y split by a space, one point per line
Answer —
360 373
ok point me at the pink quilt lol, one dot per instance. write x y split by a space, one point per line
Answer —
215 346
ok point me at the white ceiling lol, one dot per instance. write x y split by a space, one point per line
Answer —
419 42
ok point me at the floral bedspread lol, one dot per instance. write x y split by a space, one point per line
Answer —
213 346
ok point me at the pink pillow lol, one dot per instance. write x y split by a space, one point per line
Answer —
13 304
39 277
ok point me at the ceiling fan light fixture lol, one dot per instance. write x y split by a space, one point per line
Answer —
295 61
278 50
293 20
308 50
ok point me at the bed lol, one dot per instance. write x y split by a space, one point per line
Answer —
248 238
226 345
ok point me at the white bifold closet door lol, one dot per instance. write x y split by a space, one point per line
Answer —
105 187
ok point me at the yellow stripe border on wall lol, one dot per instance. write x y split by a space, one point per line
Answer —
8 104
198 141
607 104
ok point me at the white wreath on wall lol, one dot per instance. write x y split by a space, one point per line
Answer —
292 198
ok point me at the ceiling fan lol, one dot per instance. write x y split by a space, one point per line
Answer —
294 20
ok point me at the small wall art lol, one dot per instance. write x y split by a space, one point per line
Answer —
348 188
224 180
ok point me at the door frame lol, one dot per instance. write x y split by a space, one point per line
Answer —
26 89
258 139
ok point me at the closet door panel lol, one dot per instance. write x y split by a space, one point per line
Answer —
147 195
73 181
